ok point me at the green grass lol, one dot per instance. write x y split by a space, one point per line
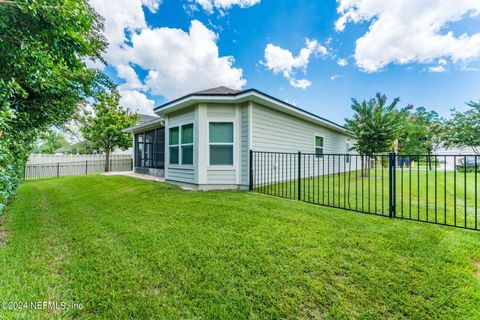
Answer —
125 248
420 194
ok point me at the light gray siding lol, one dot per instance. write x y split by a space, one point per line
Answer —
222 174
178 173
220 111
216 176
244 147
181 117
274 131
181 174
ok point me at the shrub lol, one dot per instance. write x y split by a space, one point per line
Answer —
43 74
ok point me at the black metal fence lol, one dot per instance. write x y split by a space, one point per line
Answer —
61 169
441 189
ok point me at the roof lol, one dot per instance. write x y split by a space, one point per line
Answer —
63 149
146 122
224 94
144 118
218 91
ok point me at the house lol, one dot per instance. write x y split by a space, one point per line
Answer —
202 140
452 157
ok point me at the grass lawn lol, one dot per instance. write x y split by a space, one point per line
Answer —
448 197
125 248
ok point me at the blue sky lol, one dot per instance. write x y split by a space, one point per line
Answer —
423 64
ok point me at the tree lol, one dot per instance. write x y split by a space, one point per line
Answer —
44 46
421 133
463 129
375 126
83 147
104 127
51 141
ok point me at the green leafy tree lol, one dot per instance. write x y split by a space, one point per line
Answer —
51 141
375 126
44 46
463 129
104 126
83 147
420 133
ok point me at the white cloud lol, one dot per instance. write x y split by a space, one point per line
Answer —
300 83
282 61
335 77
152 5
127 73
440 67
136 102
409 31
472 69
342 62
181 62
209 5
437 69
177 61
121 19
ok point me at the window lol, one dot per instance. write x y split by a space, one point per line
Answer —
319 146
173 143
187 144
221 143
181 144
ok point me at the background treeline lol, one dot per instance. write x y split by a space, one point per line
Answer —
379 127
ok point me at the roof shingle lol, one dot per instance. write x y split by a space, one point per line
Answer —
219 90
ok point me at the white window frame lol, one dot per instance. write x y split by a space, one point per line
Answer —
221 144
173 145
315 146
187 144
180 146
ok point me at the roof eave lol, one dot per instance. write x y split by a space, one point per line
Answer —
245 96
144 127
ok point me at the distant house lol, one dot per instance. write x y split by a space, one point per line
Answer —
202 140
462 155
454 151
64 150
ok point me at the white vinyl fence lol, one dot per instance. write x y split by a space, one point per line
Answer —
37 171
56 158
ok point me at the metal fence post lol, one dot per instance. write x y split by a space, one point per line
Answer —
299 177
86 166
250 186
58 169
392 184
